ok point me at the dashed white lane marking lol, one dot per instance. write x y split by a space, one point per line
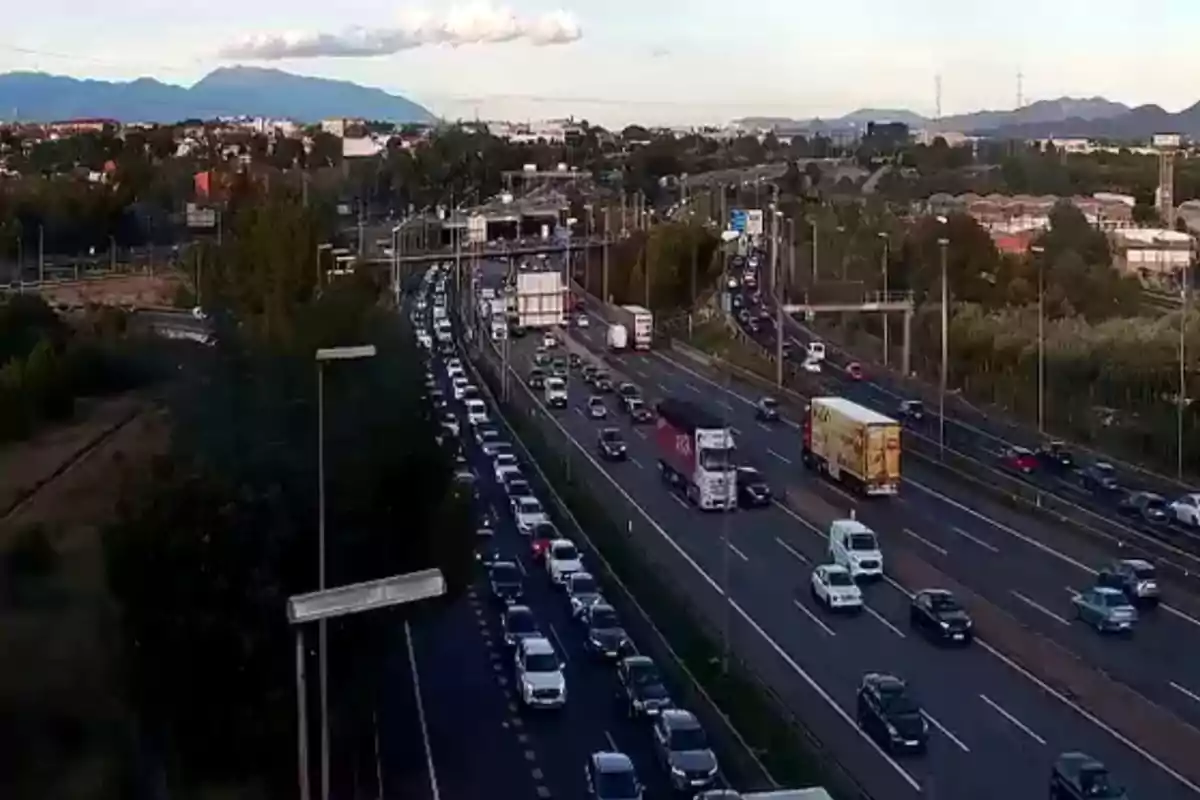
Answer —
739 553
887 623
1039 607
1185 691
1016 722
796 554
947 732
813 617
924 541
612 742
972 537
782 458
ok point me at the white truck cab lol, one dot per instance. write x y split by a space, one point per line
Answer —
855 547
816 351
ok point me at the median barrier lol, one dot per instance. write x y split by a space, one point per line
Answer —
961 468
765 745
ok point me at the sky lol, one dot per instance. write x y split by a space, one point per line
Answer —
614 62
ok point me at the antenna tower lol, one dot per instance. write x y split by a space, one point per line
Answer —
937 96
1020 90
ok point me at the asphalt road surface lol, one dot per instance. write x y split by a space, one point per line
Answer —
995 729
479 742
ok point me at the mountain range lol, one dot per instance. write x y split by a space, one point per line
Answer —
225 92
1093 117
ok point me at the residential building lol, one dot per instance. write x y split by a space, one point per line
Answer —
1012 214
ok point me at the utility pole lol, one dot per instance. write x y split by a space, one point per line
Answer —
41 254
1183 401
791 239
883 265
778 215
816 273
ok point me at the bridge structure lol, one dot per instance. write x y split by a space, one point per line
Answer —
869 302
494 252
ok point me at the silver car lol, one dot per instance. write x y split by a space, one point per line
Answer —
596 408
1106 609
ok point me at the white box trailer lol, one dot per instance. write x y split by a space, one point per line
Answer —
637 321
541 299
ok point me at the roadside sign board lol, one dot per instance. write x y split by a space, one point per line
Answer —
737 220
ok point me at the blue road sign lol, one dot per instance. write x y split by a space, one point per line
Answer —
737 220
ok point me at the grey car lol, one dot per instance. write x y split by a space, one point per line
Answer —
1106 609
683 750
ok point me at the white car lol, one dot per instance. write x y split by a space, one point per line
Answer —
562 559
476 412
596 408
494 446
539 673
505 462
581 321
454 367
549 342
528 513
1186 510
450 423
460 383
812 365
834 587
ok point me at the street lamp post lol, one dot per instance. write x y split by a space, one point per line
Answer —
943 244
323 355
321 248
341 601
883 265
1039 252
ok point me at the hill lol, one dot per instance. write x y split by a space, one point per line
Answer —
1042 112
225 92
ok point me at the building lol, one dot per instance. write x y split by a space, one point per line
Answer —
338 126
1012 214
887 135
1157 256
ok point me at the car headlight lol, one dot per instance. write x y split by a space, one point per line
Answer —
677 772
891 730
945 625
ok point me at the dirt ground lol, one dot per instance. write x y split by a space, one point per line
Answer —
64 732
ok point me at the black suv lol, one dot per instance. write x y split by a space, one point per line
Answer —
753 491
611 445
683 750
604 636
939 616
645 694
1099 477
504 578
1056 457
1078 776
537 379
887 712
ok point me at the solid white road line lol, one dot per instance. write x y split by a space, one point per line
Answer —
972 537
434 791
1039 607
612 742
925 541
813 617
636 463
1016 722
1185 691
796 554
946 732
738 553
676 498
887 623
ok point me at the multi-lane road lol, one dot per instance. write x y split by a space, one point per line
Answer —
996 726
451 724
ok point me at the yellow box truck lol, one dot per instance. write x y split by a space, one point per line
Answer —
852 445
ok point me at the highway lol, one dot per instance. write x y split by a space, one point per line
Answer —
990 719
983 436
479 742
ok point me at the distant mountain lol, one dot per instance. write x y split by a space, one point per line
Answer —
225 92
1042 112
1136 124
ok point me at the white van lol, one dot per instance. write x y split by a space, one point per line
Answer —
556 393
476 412
855 547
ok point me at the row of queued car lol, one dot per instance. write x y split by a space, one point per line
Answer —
679 740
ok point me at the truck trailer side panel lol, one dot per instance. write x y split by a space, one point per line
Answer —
849 441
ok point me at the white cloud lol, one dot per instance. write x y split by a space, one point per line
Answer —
480 23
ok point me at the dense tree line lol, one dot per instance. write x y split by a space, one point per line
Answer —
223 529
46 364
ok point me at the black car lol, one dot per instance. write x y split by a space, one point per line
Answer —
573 361
1099 478
603 383
504 578
1147 505
888 713
604 634
519 623
1136 577
912 410
939 616
517 331
683 750
1056 457
611 445
1078 776
645 693
752 488
766 409
588 373
537 379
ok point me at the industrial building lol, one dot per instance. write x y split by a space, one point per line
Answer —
1158 257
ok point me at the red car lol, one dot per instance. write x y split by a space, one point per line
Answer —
1019 459
540 537
854 370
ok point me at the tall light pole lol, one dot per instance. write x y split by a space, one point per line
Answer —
815 269
791 240
1039 255
943 244
324 355
883 266
321 248
1185 293
778 298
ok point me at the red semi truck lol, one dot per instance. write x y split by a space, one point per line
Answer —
695 454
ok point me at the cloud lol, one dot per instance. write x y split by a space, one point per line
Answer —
480 23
